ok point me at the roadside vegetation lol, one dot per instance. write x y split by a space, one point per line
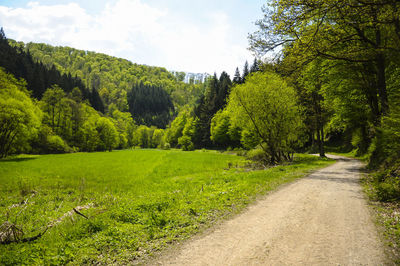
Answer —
387 214
123 206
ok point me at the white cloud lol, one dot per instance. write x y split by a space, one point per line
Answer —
131 29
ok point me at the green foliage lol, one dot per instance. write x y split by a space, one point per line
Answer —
138 201
258 155
144 136
108 135
55 144
157 140
388 190
213 100
150 105
113 77
220 125
186 143
53 105
125 126
20 118
266 108
175 130
39 77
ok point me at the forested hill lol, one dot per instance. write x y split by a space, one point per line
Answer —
112 77
39 77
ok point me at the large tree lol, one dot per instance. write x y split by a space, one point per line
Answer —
356 31
19 116
213 100
265 107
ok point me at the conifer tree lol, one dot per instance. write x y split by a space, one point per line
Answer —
237 79
245 71
255 67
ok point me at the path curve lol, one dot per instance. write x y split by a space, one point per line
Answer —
322 219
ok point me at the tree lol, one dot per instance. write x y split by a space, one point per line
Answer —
313 79
255 66
108 135
220 125
188 134
214 99
19 116
245 71
237 79
52 105
356 31
144 136
174 132
150 105
266 107
125 125
157 138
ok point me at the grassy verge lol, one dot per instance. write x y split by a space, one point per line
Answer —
382 198
128 203
387 218
346 153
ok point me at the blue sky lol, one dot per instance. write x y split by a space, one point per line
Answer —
195 36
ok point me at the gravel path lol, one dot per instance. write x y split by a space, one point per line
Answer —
322 219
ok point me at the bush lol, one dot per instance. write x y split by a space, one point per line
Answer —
384 150
388 182
388 191
166 146
186 143
258 155
55 144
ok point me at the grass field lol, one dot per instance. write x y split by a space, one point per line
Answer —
135 202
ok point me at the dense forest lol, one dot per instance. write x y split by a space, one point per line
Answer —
112 77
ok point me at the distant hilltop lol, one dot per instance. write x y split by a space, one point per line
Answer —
189 77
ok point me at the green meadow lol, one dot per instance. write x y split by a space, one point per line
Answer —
129 204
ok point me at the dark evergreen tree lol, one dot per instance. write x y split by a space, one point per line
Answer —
212 101
237 79
224 86
150 105
255 67
96 101
245 71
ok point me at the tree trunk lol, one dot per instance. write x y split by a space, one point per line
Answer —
381 82
321 143
381 78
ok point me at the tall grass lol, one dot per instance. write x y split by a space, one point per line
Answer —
137 201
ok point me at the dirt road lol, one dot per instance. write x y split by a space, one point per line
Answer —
322 219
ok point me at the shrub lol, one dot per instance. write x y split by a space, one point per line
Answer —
55 144
258 155
186 143
388 191
166 146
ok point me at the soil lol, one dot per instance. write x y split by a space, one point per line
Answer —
322 219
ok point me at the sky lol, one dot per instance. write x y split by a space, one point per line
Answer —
182 35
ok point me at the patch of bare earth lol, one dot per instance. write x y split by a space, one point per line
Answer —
322 219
